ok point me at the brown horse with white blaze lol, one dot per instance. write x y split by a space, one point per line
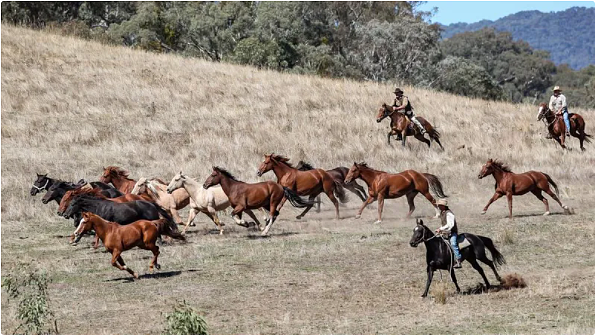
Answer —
401 125
118 238
310 183
509 184
556 127
119 178
383 185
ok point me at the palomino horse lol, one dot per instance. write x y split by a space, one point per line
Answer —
311 182
383 185
171 202
400 124
439 255
556 127
118 238
243 196
510 183
118 177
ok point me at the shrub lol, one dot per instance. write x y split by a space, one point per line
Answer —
185 320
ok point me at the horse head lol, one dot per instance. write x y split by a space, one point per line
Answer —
487 169
140 186
84 226
543 111
213 179
266 165
176 182
40 183
420 233
384 111
353 173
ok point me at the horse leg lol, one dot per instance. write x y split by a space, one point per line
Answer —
555 197
389 135
366 203
539 196
96 241
432 201
410 197
495 197
404 134
509 198
318 201
454 279
191 215
175 215
236 214
359 190
213 215
478 268
380 208
438 141
118 262
421 138
491 265
311 198
428 282
273 216
253 217
155 250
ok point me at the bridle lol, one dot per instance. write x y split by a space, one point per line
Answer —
543 115
423 237
39 189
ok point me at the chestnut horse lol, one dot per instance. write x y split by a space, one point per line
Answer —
556 127
509 184
119 178
383 185
118 238
311 182
243 196
401 125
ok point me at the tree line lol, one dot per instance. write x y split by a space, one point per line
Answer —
379 41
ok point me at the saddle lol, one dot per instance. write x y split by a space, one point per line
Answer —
461 240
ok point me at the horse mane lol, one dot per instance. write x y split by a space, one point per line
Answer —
95 192
364 164
282 158
118 171
304 166
501 166
225 173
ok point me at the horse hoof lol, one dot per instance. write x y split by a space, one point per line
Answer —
157 266
546 213
483 212
298 217
424 295
358 216
377 222
73 244
192 224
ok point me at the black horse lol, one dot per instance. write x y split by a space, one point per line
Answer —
439 255
339 174
59 188
122 213
42 183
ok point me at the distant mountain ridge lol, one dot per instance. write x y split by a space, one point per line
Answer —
568 35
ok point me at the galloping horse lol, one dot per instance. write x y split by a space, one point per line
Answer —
383 185
400 124
439 255
98 193
243 196
118 238
510 183
119 178
173 202
59 188
556 127
41 183
338 174
311 183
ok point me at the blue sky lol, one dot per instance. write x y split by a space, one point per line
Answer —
473 11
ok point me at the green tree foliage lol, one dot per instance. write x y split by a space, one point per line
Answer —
461 76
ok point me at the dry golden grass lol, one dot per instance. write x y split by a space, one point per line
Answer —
70 107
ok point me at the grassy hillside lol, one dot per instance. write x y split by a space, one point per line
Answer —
70 107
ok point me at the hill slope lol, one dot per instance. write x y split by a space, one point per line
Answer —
572 43
70 107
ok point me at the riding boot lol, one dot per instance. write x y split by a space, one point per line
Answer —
457 264
419 125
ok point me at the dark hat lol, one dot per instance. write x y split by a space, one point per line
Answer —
398 90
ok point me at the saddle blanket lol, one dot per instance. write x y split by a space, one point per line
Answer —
463 241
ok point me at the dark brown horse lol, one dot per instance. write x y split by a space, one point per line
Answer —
97 192
401 125
118 238
311 182
338 174
243 196
119 178
383 185
556 127
509 184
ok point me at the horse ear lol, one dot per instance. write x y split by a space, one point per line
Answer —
419 222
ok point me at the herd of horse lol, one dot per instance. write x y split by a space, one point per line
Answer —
125 213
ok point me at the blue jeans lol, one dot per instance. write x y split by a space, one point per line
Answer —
455 246
566 120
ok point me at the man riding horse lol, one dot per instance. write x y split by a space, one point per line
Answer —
403 106
558 105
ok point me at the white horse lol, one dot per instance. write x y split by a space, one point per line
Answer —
208 201
173 202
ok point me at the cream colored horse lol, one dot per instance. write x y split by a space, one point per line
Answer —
208 201
170 202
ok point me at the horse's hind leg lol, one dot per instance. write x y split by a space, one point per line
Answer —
311 198
191 216
454 279
118 262
438 141
555 197
422 139
491 265
478 268
329 188
539 196
432 201
410 198
359 190
155 250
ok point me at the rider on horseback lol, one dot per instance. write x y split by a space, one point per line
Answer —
558 105
449 227
402 105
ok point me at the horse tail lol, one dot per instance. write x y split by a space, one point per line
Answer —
340 192
497 257
165 215
164 227
295 199
435 185
549 180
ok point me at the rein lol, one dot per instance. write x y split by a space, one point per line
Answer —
43 187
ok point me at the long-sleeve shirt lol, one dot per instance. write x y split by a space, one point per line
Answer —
449 223
557 102
403 101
